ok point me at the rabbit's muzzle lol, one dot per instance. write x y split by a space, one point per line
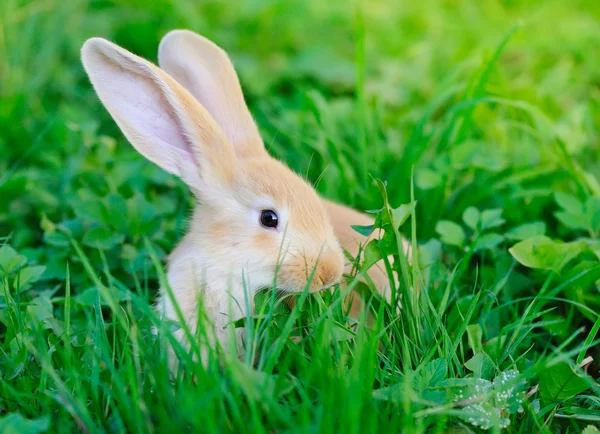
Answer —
315 273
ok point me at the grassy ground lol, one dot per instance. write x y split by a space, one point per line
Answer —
489 110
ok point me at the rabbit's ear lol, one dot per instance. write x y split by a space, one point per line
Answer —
160 118
207 73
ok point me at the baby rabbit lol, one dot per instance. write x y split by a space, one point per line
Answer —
205 71
256 222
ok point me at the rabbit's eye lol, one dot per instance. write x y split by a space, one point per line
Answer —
268 218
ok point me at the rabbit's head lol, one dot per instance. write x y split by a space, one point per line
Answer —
254 214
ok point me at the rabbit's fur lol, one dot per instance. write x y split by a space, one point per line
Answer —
190 119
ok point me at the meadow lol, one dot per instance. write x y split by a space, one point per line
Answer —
471 128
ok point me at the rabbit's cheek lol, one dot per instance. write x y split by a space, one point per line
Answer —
263 242
219 230
226 232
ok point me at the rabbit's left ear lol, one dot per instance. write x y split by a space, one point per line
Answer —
159 117
206 72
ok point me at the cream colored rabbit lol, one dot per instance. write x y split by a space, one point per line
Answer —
256 221
205 70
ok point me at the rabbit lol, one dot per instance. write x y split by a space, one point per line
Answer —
204 69
256 222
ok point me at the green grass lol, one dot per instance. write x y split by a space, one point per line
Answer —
483 113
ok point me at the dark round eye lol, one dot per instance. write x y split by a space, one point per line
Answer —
268 218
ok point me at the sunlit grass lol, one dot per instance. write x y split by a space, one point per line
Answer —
484 114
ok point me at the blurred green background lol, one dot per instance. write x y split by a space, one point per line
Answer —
483 105
301 71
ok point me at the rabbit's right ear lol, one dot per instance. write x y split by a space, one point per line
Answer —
159 117
205 70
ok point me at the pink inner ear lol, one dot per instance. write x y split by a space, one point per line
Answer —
208 93
206 72
142 104
137 103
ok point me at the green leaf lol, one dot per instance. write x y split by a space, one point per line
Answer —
426 179
573 215
40 309
46 224
430 376
102 238
594 246
89 296
508 391
450 233
569 203
10 260
57 239
364 230
493 347
483 415
555 324
117 206
572 221
471 217
487 404
592 207
93 210
543 253
28 275
74 227
382 190
467 389
491 218
481 365
129 252
434 372
402 213
561 382
140 217
14 423
590 429
527 230
371 254
165 205
393 393
488 241
475 336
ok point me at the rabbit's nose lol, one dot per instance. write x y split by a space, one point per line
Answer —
330 269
